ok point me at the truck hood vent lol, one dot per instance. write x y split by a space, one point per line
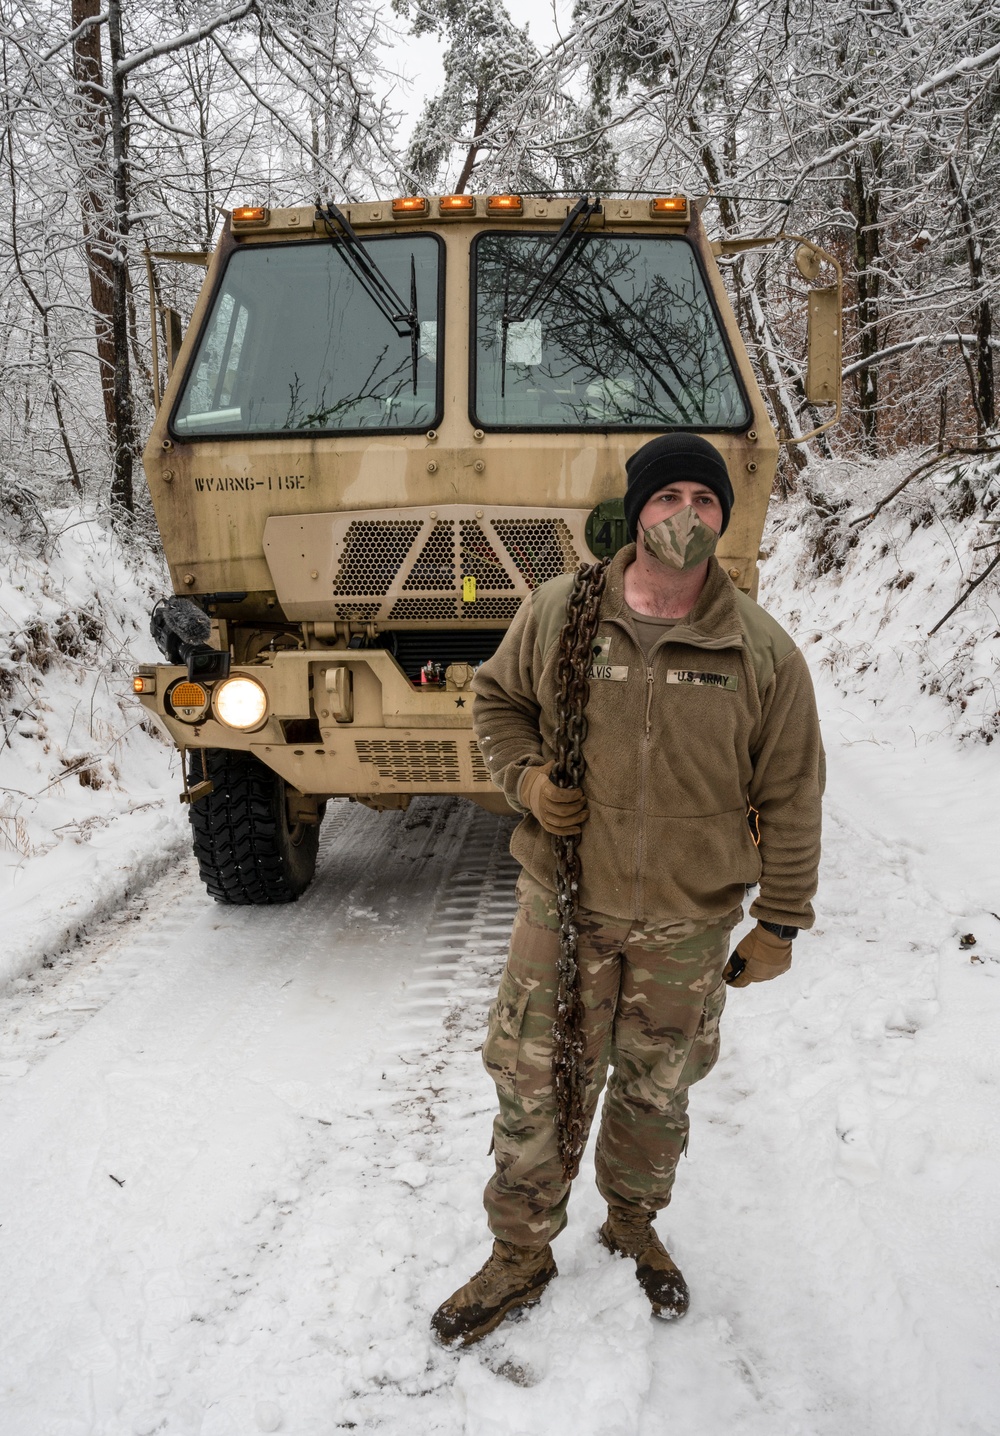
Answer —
410 566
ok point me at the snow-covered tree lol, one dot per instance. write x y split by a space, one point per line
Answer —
125 128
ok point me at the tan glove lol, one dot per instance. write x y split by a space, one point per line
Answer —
759 957
559 810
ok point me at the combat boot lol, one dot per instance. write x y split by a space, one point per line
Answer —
630 1233
513 1277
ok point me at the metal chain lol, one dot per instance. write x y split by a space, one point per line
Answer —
569 1074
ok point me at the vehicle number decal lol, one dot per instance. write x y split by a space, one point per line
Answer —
245 484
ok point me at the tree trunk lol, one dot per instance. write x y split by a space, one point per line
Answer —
88 75
750 307
105 231
983 391
125 439
863 202
472 154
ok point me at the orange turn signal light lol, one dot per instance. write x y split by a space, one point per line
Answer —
143 683
409 204
188 695
504 204
670 204
250 214
451 202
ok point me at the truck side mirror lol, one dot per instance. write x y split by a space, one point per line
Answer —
175 337
823 327
823 363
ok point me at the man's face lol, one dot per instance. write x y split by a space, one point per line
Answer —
672 497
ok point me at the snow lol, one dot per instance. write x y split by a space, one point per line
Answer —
88 796
244 1151
862 599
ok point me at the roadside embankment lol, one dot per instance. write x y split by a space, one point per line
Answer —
88 786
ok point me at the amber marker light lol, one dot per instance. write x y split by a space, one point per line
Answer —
410 204
250 214
504 204
188 695
138 684
457 204
670 204
187 701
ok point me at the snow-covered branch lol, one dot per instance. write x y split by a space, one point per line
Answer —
924 341
183 42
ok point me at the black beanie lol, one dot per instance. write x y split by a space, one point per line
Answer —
670 459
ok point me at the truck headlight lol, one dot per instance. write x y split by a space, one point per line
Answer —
240 702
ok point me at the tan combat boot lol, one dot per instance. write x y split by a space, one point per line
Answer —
630 1233
513 1277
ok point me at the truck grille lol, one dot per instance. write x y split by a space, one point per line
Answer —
418 610
434 565
381 554
541 548
373 552
411 566
411 760
490 607
412 648
479 770
480 558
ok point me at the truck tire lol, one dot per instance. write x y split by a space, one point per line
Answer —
248 853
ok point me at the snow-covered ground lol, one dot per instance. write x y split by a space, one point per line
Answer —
243 1151
88 794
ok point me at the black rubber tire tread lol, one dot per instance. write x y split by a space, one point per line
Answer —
246 854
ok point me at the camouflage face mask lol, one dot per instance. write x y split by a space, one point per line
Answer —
682 541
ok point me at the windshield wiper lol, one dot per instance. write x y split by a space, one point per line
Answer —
562 250
375 284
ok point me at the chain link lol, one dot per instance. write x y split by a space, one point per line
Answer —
583 612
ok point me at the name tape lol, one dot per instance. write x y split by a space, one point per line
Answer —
616 672
728 681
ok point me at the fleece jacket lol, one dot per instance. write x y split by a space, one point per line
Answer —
721 715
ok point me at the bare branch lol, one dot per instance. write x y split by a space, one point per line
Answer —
971 589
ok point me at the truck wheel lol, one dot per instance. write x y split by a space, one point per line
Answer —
248 852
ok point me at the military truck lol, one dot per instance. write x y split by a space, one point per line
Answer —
386 425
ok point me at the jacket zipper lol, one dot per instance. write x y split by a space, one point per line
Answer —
723 641
643 777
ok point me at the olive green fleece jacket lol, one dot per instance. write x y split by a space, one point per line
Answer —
723 714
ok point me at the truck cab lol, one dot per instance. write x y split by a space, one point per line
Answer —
386 425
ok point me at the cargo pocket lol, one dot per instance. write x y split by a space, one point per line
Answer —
503 1037
704 1051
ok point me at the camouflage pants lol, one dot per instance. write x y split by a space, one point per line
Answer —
653 995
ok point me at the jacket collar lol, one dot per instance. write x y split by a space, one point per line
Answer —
713 622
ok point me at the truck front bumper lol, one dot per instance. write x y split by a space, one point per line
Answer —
342 722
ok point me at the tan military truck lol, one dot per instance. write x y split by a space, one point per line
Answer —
386 425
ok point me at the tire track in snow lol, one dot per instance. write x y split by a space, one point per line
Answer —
299 1104
361 1224
199 1083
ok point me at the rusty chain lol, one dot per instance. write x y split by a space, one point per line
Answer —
569 1074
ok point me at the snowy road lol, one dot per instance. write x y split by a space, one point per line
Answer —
243 1154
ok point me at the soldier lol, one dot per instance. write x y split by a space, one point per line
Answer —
699 703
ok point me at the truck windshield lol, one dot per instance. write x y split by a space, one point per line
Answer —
627 338
293 342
